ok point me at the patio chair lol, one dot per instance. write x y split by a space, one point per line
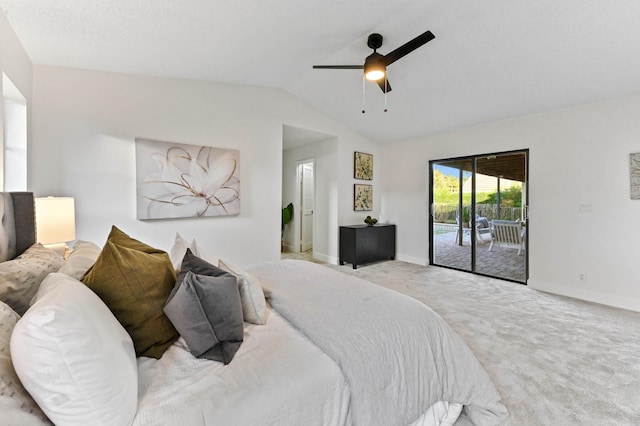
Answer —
482 228
507 234
465 231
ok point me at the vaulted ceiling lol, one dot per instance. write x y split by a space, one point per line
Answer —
491 60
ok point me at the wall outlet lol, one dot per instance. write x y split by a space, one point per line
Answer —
585 208
582 277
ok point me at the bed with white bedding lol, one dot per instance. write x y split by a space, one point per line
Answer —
254 389
322 348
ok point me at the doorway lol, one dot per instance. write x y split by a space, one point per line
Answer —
479 221
307 196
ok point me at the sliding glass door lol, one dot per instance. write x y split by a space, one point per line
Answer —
450 211
478 218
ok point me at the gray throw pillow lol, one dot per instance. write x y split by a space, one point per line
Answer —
207 313
191 262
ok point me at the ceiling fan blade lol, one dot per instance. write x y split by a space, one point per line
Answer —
384 85
408 47
339 67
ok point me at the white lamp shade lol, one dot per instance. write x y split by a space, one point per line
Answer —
55 220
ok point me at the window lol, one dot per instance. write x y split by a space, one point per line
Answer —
14 138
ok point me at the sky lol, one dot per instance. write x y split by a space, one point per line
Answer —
450 171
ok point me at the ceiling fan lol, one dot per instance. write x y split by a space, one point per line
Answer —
375 65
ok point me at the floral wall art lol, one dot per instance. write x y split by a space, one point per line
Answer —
634 172
177 181
363 166
362 197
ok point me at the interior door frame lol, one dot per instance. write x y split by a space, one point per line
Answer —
300 171
473 158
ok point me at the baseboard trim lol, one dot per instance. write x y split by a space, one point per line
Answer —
292 249
627 303
411 259
325 258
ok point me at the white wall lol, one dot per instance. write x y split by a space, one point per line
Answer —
85 123
325 217
577 156
346 154
14 61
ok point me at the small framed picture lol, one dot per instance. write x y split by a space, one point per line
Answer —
363 166
362 197
634 175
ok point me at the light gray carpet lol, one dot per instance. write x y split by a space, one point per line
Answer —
554 360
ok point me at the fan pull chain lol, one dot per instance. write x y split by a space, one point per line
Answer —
385 94
386 89
363 83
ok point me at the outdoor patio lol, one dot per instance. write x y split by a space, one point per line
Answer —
499 262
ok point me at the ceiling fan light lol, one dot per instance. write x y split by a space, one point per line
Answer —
374 67
374 74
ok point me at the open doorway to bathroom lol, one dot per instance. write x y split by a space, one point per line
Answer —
307 197
309 181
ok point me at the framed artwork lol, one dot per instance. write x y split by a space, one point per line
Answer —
177 181
362 197
634 175
363 166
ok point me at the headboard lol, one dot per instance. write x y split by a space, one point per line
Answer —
18 230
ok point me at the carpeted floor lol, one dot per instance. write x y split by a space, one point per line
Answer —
555 360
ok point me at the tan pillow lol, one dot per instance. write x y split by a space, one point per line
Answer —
16 405
21 277
254 306
134 281
79 261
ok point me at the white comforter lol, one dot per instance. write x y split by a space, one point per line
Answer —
398 356
277 377
357 354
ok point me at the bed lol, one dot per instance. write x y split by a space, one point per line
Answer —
315 346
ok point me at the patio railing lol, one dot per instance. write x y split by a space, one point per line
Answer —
446 213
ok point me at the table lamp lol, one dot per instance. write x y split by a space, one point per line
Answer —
55 222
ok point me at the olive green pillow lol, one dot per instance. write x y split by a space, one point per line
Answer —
134 281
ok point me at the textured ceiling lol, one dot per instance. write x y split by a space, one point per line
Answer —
491 60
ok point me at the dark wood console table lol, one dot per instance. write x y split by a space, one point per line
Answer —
361 244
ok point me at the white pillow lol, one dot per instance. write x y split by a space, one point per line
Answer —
254 307
179 248
83 256
16 405
74 357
